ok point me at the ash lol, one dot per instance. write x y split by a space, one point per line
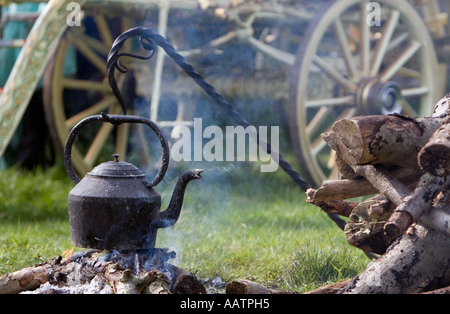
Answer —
110 272
143 260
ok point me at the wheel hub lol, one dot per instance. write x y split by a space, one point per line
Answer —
375 97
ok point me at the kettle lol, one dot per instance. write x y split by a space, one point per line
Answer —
114 206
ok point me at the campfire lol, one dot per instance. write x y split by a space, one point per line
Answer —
105 272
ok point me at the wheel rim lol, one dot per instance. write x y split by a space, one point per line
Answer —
345 68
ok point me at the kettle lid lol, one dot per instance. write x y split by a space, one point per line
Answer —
116 169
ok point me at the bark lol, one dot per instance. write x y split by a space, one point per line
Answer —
378 139
434 157
28 278
185 282
349 188
242 286
334 288
384 182
442 108
417 262
364 228
412 230
342 208
415 205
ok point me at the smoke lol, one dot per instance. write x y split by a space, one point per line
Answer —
252 84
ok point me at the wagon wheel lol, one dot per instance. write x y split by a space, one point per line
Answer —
84 91
70 96
345 67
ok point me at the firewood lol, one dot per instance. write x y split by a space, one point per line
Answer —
434 157
415 205
349 188
334 288
98 272
28 278
411 265
442 108
242 286
384 182
185 283
378 139
364 228
439 219
340 207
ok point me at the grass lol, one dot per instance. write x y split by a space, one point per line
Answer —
235 223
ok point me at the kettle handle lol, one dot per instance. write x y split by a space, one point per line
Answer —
116 119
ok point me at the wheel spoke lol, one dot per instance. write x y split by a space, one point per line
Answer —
85 85
407 109
345 100
404 57
275 53
104 30
317 146
397 41
95 44
383 43
319 143
364 40
123 131
414 74
342 39
317 120
99 141
415 91
97 61
106 102
160 56
348 85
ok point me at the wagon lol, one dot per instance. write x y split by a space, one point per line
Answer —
317 61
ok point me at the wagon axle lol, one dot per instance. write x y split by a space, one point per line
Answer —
375 97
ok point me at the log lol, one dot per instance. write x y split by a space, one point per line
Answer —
415 205
242 286
185 282
334 288
340 207
434 157
417 262
378 139
438 219
364 228
384 182
29 278
349 188
99 272
442 107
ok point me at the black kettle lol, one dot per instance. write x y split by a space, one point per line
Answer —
114 206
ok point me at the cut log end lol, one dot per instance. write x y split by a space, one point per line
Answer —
436 160
434 157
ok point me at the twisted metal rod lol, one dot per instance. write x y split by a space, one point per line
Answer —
148 38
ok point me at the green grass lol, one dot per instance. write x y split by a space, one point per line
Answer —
236 223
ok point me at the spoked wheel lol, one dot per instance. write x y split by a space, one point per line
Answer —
75 87
73 92
346 67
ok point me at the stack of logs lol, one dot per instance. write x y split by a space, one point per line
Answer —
405 163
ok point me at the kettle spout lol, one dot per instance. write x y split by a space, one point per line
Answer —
170 216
